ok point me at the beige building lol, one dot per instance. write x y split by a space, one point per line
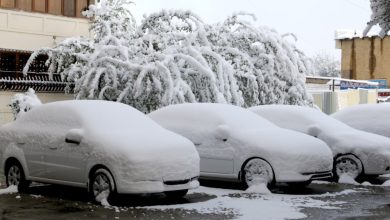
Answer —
26 25
365 58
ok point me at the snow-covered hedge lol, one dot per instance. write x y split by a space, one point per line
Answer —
21 103
174 57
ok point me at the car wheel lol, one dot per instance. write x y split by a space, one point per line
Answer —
349 165
176 194
257 170
102 182
15 176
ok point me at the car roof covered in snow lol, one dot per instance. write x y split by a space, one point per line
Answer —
209 114
89 113
285 115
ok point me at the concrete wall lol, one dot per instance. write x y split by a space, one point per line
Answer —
29 31
330 102
5 99
365 58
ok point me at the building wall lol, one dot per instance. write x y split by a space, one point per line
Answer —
5 99
365 58
29 31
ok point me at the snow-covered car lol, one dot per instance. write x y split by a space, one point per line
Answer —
99 145
235 144
356 153
374 118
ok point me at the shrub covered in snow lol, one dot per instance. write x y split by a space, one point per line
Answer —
174 57
326 65
380 15
21 103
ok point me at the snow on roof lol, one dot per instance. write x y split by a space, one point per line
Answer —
213 113
342 34
337 80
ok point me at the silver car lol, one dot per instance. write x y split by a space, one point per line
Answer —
356 153
98 145
237 145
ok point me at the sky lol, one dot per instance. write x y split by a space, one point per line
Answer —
314 22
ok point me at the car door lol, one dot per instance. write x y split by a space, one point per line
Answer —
216 154
63 161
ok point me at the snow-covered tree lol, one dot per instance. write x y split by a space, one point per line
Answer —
21 103
326 65
380 16
174 57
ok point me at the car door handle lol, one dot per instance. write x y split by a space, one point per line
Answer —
53 148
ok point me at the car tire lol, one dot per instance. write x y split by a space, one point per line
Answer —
14 175
347 164
101 181
257 169
176 194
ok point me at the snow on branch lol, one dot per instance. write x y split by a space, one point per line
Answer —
380 16
174 57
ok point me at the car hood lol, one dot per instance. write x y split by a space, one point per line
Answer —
289 149
354 140
148 155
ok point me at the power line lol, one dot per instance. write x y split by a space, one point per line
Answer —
354 3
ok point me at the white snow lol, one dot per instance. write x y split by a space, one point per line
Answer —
259 187
10 190
374 118
244 205
248 136
347 179
371 149
102 198
172 56
386 183
21 103
142 153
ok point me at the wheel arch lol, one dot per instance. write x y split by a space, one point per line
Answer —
251 158
349 154
95 168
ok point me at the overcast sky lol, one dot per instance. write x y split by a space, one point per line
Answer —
313 21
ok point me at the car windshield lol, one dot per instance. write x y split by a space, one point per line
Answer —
244 119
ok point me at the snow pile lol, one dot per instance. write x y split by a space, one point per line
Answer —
245 205
174 57
347 179
387 183
380 15
9 190
259 188
102 198
21 103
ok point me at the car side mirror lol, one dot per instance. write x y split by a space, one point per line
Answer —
74 136
222 132
314 130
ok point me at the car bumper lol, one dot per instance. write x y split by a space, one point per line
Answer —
302 177
139 187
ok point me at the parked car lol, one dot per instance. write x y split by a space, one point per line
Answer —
374 118
356 153
235 144
98 145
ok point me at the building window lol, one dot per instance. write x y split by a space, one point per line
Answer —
69 8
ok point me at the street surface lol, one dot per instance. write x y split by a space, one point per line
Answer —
320 200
